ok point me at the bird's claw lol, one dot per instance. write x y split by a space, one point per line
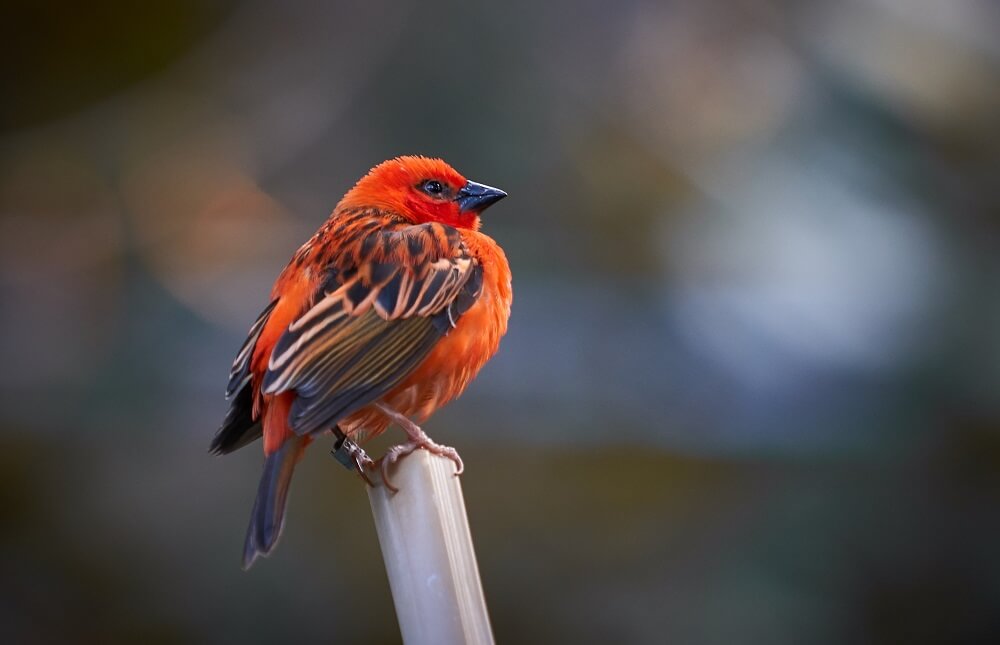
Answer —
353 457
395 453
418 439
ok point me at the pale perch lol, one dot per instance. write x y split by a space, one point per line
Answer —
424 534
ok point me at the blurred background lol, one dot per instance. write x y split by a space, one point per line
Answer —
750 389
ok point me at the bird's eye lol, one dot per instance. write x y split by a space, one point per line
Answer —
433 187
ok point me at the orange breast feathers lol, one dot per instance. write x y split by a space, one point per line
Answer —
460 354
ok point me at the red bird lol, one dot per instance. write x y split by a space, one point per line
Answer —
383 316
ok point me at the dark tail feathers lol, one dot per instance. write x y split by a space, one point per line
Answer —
268 516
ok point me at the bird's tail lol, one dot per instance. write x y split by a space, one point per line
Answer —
268 515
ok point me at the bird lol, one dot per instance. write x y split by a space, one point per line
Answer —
383 316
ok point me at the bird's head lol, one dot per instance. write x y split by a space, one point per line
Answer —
422 190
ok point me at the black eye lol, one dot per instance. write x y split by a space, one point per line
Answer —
432 187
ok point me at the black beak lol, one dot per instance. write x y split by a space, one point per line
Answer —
477 197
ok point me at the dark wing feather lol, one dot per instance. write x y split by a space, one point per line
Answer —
239 427
239 374
375 319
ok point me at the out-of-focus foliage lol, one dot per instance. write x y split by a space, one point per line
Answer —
750 388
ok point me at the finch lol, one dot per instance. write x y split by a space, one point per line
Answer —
387 313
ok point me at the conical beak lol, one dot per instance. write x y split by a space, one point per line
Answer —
476 197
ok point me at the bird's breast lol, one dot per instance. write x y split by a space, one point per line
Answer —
460 354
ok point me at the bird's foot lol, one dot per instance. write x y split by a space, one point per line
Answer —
353 457
395 453
418 439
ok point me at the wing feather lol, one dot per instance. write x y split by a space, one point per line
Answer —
239 374
240 427
377 315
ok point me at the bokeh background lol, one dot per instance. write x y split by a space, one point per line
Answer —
750 388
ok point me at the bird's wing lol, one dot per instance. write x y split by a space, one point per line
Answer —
382 308
239 374
240 427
